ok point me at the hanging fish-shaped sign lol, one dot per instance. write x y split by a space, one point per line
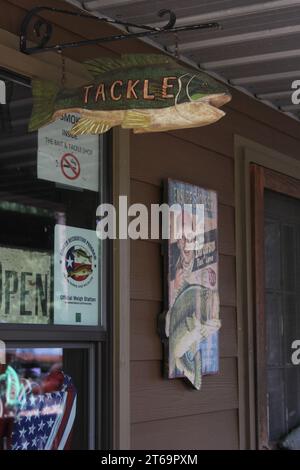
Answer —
146 93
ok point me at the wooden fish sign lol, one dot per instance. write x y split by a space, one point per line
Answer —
189 326
146 93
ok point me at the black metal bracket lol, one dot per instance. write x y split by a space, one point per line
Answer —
43 29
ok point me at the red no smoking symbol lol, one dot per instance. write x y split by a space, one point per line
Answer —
70 166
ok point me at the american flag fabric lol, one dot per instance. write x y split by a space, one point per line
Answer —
45 421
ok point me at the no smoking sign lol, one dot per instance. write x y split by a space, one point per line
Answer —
70 166
65 161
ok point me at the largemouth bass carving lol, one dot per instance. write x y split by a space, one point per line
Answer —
187 327
146 93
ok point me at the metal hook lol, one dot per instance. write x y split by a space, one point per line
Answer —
172 20
176 46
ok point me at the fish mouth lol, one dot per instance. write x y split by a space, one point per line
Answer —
219 99
203 110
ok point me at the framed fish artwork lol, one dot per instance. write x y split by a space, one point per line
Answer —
189 326
142 92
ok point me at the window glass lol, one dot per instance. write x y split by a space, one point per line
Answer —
43 399
48 179
282 235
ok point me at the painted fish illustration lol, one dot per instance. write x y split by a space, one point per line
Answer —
81 270
186 331
143 92
80 253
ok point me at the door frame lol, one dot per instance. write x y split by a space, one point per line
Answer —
262 179
247 152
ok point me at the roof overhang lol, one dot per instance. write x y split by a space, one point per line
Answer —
255 51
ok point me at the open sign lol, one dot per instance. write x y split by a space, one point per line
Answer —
25 279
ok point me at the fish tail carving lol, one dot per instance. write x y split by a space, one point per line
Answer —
44 95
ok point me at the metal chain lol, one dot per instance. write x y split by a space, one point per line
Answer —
176 46
63 68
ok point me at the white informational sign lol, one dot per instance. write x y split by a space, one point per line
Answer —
25 280
76 279
72 161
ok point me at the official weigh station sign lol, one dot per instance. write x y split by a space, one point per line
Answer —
25 279
71 161
76 280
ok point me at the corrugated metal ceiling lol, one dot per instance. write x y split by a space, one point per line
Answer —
256 49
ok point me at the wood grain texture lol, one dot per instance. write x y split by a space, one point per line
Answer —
155 398
155 159
205 137
258 240
248 118
146 271
147 274
263 134
208 431
145 341
281 183
260 113
147 194
237 121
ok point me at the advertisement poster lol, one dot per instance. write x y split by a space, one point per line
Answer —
65 159
192 320
76 280
25 281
